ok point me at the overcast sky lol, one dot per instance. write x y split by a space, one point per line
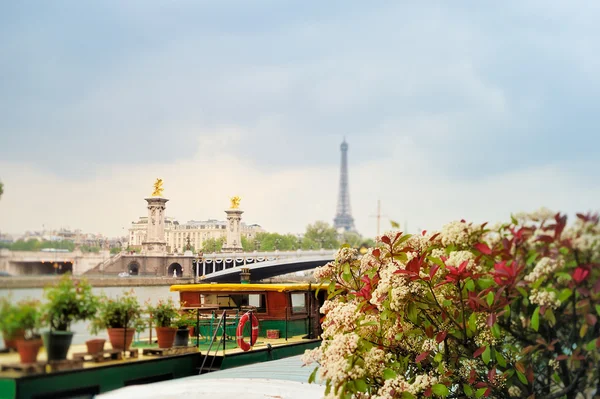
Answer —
451 110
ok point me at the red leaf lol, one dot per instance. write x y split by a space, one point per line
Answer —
530 375
386 239
376 252
433 237
479 351
591 319
429 331
521 367
491 319
428 392
433 270
483 248
421 357
580 274
487 392
441 336
598 343
424 232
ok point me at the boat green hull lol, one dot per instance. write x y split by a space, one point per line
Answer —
84 383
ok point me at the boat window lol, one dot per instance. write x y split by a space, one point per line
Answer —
237 301
299 302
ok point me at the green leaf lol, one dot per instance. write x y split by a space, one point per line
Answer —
395 225
531 258
440 390
412 312
496 331
522 377
467 390
436 260
590 346
564 250
486 355
313 375
598 309
522 292
549 315
485 283
470 285
361 385
535 319
408 395
389 374
500 359
537 283
480 392
564 276
489 298
513 221
473 322
565 294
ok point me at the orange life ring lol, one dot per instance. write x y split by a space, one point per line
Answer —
245 346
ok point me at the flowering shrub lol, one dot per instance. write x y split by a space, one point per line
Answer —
469 311
69 301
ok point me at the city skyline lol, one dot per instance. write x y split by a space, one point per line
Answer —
451 111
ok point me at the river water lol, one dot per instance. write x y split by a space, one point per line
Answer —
151 294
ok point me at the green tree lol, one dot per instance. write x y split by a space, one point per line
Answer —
323 234
213 245
115 250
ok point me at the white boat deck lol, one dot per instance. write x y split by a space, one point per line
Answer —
281 379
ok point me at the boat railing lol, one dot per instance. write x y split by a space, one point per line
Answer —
222 321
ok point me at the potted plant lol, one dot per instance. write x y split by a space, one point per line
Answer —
8 323
28 320
68 301
183 323
164 315
121 317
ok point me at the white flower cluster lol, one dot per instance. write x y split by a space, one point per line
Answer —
544 298
334 359
514 391
375 361
540 215
346 254
324 272
392 387
456 258
457 233
341 318
544 268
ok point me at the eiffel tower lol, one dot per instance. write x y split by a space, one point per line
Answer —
343 218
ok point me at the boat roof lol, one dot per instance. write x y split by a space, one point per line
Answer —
238 287
285 379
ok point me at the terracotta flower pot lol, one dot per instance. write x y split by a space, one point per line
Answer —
10 341
119 338
165 336
29 349
95 345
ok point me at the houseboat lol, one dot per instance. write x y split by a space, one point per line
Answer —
236 324
284 320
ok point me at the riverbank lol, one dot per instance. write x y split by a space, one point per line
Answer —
19 282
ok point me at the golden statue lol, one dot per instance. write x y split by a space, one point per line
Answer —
235 202
158 188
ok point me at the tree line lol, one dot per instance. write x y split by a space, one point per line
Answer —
318 235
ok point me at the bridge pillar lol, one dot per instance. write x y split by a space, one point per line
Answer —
155 243
234 236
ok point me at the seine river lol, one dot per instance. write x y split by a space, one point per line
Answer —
149 294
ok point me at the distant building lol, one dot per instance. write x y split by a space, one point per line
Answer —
176 234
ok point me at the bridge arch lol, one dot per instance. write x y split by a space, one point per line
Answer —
134 268
175 267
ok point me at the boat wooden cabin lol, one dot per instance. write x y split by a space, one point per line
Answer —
283 310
